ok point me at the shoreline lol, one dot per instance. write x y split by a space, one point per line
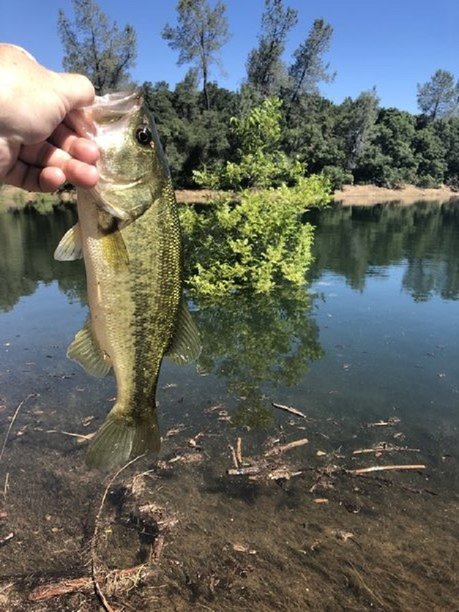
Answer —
370 195
13 198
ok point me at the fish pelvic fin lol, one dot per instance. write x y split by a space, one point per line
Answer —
70 247
186 343
85 350
121 439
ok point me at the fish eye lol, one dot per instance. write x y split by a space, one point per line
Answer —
144 136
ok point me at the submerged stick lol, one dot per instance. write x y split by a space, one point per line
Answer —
6 539
233 456
277 450
80 437
289 409
381 468
385 449
64 587
239 451
19 406
244 471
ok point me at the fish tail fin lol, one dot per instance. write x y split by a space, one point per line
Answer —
120 440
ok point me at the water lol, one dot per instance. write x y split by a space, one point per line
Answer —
373 337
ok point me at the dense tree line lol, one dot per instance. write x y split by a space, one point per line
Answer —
357 141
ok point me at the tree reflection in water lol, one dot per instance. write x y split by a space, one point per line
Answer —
254 341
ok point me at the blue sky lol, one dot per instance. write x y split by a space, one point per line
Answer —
390 44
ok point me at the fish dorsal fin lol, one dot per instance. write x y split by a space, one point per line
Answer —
85 350
186 343
70 247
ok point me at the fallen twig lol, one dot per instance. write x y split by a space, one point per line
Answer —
80 437
381 468
6 539
391 421
243 471
6 486
289 409
239 451
54 589
16 412
385 448
277 450
283 473
233 456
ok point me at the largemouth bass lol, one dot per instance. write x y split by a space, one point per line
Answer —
129 236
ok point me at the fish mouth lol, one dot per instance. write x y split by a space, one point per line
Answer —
113 106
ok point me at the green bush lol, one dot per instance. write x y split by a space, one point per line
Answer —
259 161
256 243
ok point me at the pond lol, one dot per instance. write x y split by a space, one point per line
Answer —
248 504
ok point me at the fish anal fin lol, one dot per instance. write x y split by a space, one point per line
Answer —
120 439
85 350
70 247
186 343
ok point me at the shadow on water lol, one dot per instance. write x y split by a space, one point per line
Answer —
368 353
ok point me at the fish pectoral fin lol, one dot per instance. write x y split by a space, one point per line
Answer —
85 350
70 247
121 439
186 343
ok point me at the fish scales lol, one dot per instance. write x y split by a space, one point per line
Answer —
129 236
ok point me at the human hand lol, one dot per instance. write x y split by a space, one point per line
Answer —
39 147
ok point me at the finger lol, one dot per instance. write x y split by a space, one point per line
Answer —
33 178
83 149
77 90
43 154
81 174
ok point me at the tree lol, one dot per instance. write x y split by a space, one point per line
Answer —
265 68
97 48
439 97
390 160
309 68
354 126
199 35
259 161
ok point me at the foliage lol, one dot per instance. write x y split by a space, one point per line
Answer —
233 140
309 68
259 161
266 71
390 160
439 97
255 243
200 33
97 48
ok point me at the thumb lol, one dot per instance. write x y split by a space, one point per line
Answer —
77 90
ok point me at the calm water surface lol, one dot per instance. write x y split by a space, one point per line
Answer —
372 337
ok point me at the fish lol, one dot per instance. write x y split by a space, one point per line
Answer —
128 234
